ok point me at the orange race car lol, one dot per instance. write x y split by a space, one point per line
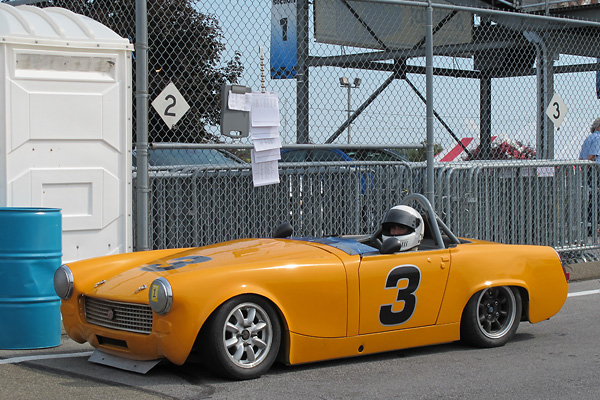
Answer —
241 304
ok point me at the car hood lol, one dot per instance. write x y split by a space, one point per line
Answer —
132 283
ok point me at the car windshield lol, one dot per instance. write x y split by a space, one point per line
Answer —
374 155
174 157
297 155
294 155
317 155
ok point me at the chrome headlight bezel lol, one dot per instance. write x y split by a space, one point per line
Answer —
160 296
63 282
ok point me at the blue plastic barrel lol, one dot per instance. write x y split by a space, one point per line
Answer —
30 252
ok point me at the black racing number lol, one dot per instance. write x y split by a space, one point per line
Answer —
412 274
557 114
284 28
175 263
173 103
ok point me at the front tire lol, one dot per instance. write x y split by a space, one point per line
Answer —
242 338
491 317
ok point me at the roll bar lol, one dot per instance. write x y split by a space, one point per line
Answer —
435 222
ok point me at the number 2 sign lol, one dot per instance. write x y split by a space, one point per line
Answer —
557 109
170 105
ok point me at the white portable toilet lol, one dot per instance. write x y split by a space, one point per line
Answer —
65 125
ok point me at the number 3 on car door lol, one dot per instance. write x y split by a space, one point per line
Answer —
406 294
401 291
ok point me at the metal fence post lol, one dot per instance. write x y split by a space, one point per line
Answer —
302 80
429 191
141 97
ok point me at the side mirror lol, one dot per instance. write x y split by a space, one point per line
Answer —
391 245
282 231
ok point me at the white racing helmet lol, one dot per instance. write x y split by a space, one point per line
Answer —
409 217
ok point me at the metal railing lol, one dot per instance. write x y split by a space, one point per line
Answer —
529 202
526 202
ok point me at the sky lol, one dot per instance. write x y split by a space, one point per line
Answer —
398 115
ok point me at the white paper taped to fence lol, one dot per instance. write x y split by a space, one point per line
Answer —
264 131
267 144
264 110
266 155
264 172
238 101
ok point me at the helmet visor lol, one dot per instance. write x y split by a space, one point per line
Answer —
395 229
401 217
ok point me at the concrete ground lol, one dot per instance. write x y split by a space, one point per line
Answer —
584 271
582 265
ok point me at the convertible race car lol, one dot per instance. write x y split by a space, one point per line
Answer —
243 304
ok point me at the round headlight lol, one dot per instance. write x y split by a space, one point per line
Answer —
160 296
63 282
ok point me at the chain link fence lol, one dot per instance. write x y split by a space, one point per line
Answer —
513 94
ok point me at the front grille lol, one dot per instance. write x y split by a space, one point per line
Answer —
117 315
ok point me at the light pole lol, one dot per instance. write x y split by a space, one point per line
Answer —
345 83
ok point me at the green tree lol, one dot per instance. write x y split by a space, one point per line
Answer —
419 154
185 47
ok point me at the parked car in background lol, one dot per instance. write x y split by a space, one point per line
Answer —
324 155
367 173
174 157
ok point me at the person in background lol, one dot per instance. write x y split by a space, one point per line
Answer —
590 150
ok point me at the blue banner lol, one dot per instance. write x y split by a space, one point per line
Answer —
283 39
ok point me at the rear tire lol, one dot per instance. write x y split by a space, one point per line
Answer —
242 338
491 317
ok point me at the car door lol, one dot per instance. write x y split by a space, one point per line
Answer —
402 290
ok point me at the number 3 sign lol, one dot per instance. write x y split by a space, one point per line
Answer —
556 110
170 105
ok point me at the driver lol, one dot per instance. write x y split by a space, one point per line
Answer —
404 223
